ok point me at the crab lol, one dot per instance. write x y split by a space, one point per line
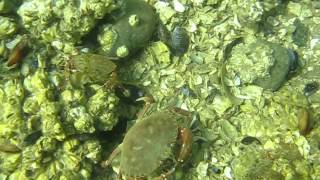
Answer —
151 141
90 68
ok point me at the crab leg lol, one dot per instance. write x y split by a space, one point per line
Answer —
165 175
120 175
111 157
185 137
148 101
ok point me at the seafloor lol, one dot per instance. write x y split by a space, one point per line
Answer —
247 71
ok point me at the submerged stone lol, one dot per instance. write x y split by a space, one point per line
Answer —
279 71
132 30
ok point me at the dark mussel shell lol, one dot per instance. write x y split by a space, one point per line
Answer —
179 41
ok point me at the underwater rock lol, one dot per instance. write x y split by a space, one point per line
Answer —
262 63
280 69
281 163
9 6
301 34
130 32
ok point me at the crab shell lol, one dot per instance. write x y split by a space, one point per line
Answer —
148 142
92 68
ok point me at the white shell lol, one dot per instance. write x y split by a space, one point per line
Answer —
178 6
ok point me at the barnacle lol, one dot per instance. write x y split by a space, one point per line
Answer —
7 27
82 120
45 159
36 97
63 21
103 106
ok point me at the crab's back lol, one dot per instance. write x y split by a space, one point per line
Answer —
147 143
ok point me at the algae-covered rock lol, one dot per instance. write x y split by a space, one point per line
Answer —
9 6
280 69
251 165
261 63
284 162
131 31
301 34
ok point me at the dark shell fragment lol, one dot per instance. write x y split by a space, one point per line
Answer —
304 123
310 88
249 140
18 53
6 146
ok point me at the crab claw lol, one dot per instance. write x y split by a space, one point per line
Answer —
185 136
